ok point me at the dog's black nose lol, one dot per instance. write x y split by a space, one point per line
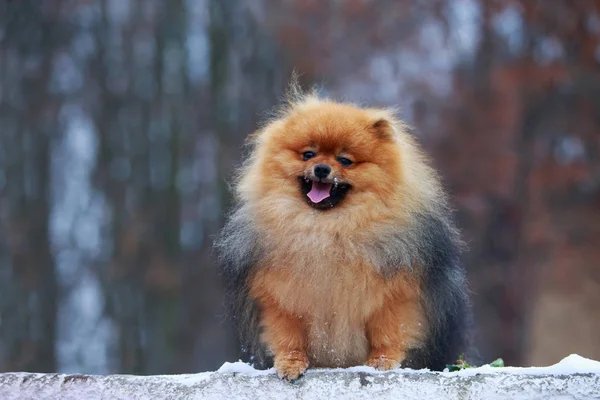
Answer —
322 171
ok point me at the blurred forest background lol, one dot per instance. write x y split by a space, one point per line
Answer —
121 121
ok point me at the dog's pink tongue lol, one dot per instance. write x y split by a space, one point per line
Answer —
319 191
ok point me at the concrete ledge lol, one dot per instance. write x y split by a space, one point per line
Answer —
237 381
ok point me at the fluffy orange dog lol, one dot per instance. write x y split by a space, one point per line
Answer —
341 250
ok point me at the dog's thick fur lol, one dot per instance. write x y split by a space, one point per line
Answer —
374 279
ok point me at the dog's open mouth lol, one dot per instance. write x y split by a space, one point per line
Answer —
323 195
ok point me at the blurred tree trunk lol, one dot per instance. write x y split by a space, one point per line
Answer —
28 304
142 129
162 281
120 279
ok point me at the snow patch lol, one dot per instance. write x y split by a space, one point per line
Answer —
241 367
189 379
572 364
574 377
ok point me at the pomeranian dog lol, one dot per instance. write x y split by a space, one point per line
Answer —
341 250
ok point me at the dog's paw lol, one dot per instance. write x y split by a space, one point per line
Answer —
383 363
291 366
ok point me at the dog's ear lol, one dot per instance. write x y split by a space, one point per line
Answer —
384 129
384 124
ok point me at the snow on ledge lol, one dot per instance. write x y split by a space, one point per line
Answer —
574 377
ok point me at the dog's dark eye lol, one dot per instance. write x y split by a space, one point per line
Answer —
345 161
308 155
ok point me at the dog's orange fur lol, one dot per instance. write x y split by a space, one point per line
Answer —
349 320
323 300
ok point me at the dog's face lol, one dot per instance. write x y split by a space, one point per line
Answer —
330 155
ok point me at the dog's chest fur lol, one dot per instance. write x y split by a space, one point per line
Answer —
330 285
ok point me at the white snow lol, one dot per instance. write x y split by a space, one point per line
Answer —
188 379
574 377
243 368
572 364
